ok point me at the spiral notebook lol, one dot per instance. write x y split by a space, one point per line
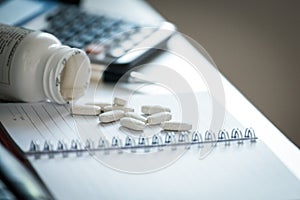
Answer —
79 158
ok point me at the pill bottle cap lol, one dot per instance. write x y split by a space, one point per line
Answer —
66 75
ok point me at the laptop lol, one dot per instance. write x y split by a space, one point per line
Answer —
117 34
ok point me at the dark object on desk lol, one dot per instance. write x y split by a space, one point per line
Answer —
107 40
16 178
5 194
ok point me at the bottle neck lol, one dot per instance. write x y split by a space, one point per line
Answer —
66 75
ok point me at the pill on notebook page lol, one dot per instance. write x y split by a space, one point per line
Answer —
120 102
85 110
148 109
111 116
110 108
100 104
136 116
107 108
176 126
125 109
158 118
132 123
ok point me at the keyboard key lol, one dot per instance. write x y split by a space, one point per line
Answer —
66 34
86 37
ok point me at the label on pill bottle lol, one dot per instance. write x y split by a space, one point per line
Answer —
10 38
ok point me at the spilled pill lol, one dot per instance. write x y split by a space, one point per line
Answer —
107 108
136 116
149 110
125 109
85 110
158 118
120 102
100 104
110 108
176 126
132 123
111 116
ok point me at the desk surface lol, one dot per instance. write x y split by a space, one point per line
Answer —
236 103
181 57
179 49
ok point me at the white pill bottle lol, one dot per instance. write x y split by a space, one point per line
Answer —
35 66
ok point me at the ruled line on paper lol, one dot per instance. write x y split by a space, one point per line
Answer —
63 118
21 115
32 122
41 119
53 120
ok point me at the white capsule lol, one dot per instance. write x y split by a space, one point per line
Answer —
132 123
149 110
120 102
158 118
110 108
111 116
136 116
176 126
85 110
107 108
125 109
100 104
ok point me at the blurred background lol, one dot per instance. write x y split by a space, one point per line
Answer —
255 44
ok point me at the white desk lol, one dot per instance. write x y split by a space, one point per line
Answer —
236 103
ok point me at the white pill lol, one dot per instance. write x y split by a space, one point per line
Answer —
158 118
111 116
110 108
85 110
107 108
100 104
176 126
125 109
120 102
136 116
132 123
149 110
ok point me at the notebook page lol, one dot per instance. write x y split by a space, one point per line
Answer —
39 122
235 171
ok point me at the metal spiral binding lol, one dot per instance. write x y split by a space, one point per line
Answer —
171 139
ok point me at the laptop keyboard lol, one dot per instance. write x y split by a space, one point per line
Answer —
97 34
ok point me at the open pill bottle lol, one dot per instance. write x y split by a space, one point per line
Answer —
35 66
